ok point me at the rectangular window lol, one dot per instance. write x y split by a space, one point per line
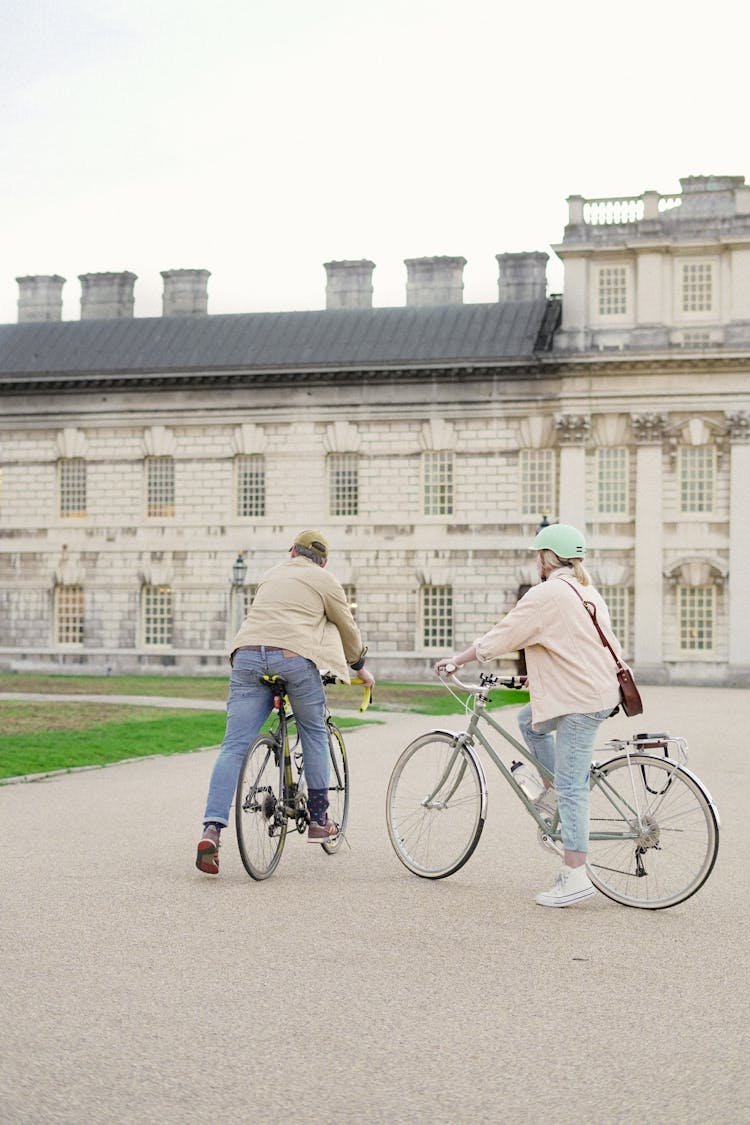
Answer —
697 474
157 616
537 477
69 615
250 473
617 599
697 287
437 483
160 486
437 617
343 484
613 290
72 486
248 596
612 480
697 610
351 597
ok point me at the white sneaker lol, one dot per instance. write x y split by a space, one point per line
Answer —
572 885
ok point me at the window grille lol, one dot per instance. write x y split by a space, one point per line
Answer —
437 617
157 616
437 482
697 475
160 486
697 610
351 597
343 484
251 484
69 615
618 604
537 477
247 593
72 486
612 479
697 287
613 290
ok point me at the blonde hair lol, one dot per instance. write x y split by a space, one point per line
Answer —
551 561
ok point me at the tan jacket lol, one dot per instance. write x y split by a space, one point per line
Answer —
570 670
302 607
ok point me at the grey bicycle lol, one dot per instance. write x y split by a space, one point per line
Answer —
654 828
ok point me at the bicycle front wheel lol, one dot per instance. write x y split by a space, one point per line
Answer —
654 832
338 786
258 808
436 805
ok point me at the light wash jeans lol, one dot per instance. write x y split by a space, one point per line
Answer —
567 754
249 705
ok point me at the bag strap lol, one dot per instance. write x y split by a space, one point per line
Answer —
591 610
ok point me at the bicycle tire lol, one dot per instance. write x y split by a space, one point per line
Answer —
338 787
259 817
436 805
670 832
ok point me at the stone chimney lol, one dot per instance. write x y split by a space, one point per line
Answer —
40 298
185 292
523 276
434 281
107 296
349 284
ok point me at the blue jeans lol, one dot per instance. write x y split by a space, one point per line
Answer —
249 705
567 755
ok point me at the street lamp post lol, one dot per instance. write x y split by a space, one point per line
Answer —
239 573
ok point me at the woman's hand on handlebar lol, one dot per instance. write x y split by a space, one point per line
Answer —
446 667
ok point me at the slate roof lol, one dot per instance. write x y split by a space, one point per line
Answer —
289 341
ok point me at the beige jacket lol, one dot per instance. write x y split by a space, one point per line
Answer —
570 670
302 607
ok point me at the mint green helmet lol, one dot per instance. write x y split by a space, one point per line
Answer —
567 542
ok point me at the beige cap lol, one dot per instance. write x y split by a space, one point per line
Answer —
314 541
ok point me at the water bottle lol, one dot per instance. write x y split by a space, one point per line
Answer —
528 779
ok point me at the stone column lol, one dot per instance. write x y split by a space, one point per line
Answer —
738 587
434 281
522 276
572 434
107 296
349 284
185 292
40 298
649 432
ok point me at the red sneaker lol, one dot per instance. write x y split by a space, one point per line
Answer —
207 859
322 833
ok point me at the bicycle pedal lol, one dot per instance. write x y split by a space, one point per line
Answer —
549 843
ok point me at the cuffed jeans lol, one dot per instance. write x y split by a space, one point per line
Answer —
249 705
566 753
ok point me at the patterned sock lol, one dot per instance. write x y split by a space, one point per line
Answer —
317 804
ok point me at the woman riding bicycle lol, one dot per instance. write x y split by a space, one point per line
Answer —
572 685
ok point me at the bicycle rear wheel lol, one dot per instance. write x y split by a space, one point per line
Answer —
666 826
436 805
338 786
258 810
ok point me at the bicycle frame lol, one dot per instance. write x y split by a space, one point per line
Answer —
479 715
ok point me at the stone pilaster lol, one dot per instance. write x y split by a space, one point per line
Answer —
572 434
738 586
649 431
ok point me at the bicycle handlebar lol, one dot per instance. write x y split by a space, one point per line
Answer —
487 680
328 678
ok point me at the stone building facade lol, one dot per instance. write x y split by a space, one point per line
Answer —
141 456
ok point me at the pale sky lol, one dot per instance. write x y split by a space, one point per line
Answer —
259 139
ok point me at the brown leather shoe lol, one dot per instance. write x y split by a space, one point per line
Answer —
322 833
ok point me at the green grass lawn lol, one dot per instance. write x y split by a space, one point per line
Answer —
41 736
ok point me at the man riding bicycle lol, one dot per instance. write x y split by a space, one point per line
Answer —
299 622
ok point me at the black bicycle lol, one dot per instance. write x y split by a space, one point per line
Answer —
271 790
